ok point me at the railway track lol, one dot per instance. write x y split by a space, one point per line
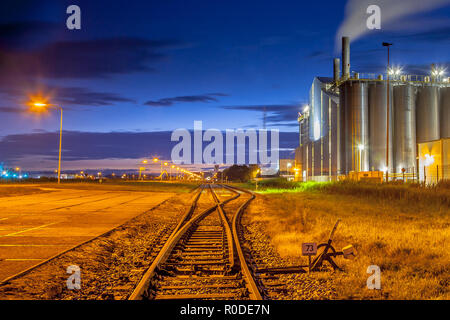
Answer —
203 258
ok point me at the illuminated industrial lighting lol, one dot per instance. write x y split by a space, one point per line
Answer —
429 160
384 169
316 130
361 147
438 72
306 109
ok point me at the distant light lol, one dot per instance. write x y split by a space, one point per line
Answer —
39 104
361 147
384 169
306 109
438 72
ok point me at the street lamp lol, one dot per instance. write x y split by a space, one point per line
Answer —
171 167
387 45
39 105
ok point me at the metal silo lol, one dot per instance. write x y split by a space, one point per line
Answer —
405 128
427 114
378 129
356 125
445 112
325 147
340 131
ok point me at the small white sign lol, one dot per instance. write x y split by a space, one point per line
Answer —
309 249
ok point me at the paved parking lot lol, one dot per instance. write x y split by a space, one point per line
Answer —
36 227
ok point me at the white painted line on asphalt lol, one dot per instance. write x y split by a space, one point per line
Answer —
22 259
33 245
30 229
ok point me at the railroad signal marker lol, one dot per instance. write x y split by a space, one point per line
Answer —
309 249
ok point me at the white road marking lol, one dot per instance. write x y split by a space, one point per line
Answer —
26 230
22 259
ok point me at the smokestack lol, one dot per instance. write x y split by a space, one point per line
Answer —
345 58
336 70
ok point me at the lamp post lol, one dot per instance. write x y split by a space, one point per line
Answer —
44 105
155 160
387 45
171 167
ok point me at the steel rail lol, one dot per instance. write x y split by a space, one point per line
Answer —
191 210
253 287
140 291
226 226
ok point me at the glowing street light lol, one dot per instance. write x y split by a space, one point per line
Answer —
41 105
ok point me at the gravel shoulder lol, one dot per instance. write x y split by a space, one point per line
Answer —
110 266
314 286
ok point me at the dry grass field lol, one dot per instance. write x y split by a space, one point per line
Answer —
404 230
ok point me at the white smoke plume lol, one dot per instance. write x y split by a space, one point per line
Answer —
354 24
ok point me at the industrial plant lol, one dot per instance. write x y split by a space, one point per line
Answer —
380 127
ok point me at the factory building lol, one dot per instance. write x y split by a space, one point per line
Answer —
364 126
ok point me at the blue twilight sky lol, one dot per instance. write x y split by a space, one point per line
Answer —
140 69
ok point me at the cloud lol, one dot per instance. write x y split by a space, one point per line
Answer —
354 24
167 102
283 114
84 147
97 58
67 96
26 34
11 110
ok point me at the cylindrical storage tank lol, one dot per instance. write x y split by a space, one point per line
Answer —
445 112
325 147
356 126
341 166
334 153
378 127
405 128
427 114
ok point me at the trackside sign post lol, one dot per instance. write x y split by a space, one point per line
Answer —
309 249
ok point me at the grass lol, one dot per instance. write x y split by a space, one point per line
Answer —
146 186
402 229
434 195
18 190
